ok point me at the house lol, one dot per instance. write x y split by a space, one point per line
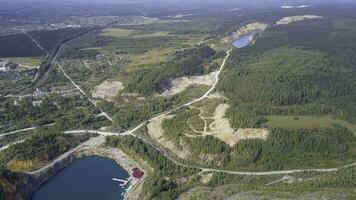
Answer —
137 173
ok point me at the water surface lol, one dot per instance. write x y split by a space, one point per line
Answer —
88 178
244 40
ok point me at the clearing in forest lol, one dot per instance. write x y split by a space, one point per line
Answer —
182 83
221 128
288 20
155 130
107 90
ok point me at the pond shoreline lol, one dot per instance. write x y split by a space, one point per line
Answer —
36 181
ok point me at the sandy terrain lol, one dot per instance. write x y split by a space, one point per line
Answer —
156 132
107 90
244 30
288 20
293 7
205 177
180 84
250 27
221 128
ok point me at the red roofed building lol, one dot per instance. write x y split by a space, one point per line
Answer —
137 173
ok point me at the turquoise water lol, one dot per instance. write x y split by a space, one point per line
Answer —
244 40
88 178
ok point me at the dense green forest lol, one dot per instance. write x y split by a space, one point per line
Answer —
19 45
301 68
41 148
49 39
295 148
84 47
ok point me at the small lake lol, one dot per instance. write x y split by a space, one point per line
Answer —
244 40
88 178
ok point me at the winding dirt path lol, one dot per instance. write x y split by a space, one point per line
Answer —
205 95
169 157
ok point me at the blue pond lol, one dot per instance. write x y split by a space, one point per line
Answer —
88 178
244 40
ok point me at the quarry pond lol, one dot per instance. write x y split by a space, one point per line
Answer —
244 40
88 178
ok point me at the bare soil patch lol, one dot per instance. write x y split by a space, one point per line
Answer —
205 177
156 132
221 128
180 84
107 90
288 20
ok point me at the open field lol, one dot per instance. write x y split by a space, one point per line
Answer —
116 32
27 61
149 59
311 122
107 90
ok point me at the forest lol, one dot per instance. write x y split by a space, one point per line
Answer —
283 149
302 68
156 186
41 148
18 45
65 112
49 39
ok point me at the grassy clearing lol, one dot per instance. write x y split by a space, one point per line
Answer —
296 122
125 33
345 24
218 45
149 59
153 34
28 61
197 123
117 32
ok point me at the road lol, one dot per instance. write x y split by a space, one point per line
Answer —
205 95
23 130
82 91
7 146
34 41
18 131
168 156
103 133
93 142
97 141
101 139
